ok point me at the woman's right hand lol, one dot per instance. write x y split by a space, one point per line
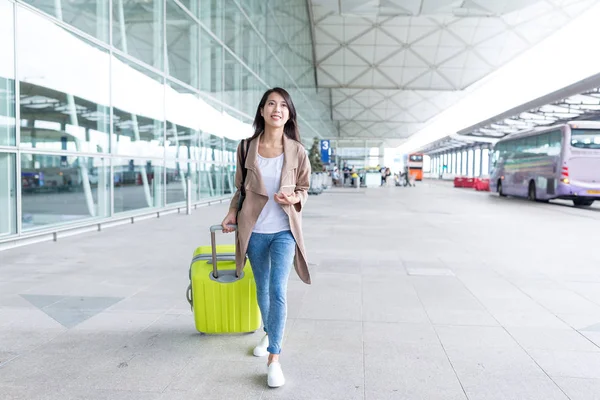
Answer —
230 219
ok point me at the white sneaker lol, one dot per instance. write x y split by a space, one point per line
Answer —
261 349
275 376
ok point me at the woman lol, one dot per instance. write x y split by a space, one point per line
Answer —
270 220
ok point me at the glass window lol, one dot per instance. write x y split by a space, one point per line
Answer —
211 15
176 184
61 189
530 144
555 143
7 76
211 148
241 38
192 5
182 45
543 142
257 11
211 66
555 139
585 138
64 84
230 153
138 110
495 156
182 121
238 81
138 29
88 16
138 184
229 179
211 180
8 196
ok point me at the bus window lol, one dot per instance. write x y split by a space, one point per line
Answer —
531 145
555 143
543 143
585 138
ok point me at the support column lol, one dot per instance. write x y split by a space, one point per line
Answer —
481 161
7 199
456 163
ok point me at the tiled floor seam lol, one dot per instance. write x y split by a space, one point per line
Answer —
558 317
440 341
512 337
362 332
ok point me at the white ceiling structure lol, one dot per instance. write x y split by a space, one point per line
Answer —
392 65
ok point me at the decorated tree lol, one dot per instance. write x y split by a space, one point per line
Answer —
314 156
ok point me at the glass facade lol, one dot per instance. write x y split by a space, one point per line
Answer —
108 107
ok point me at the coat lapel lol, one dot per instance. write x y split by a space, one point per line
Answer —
254 180
290 161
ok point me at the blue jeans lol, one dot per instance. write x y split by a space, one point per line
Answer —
271 256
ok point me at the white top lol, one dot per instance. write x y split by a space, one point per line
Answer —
272 218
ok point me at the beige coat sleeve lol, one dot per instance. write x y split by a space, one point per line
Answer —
238 177
302 180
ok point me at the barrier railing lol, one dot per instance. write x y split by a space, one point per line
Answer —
319 181
479 184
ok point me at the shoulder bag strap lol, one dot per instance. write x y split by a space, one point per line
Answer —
245 145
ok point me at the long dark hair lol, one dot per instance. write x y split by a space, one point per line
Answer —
290 128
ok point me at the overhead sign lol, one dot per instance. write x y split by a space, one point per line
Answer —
325 151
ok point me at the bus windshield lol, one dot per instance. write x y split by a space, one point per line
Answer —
585 138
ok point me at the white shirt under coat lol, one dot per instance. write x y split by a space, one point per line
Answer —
272 218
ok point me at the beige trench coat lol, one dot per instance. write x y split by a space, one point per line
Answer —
295 171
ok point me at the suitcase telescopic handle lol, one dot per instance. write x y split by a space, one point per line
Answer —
213 244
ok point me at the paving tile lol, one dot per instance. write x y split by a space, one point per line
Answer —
485 337
326 342
552 339
335 297
579 388
384 333
530 320
573 364
315 381
461 317
56 393
118 321
475 363
513 387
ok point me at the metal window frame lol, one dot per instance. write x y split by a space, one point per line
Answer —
18 183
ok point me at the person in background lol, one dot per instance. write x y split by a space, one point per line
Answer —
335 177
270 221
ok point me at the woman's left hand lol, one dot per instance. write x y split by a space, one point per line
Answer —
285 199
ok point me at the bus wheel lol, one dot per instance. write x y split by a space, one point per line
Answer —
500 192
532 193
582 202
